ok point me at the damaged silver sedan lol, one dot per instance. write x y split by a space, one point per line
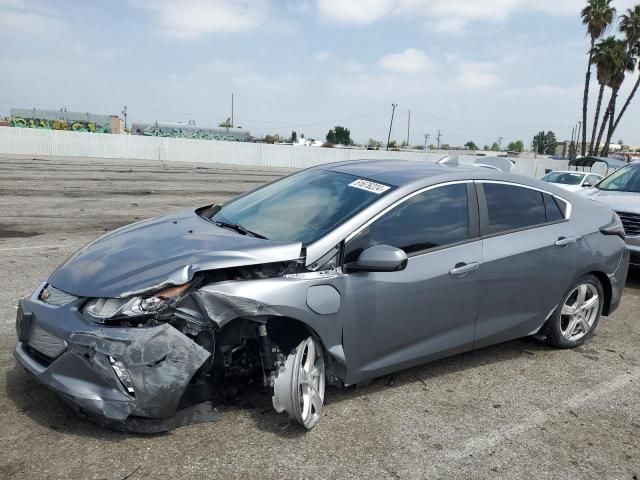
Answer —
334 275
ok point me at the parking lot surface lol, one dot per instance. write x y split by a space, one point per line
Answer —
515 410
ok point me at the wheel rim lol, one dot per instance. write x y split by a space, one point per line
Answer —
579 311
311 383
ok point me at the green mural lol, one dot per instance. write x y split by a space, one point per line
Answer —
44 124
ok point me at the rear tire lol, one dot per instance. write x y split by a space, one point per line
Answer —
577 315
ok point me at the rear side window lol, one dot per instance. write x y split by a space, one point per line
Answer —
554 213
511 207
431 219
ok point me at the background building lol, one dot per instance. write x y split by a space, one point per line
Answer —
65 120
190 130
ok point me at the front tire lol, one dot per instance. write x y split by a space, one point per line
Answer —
578 314
300 384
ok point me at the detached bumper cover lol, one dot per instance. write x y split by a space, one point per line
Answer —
160 361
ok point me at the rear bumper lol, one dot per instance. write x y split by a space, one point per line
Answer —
74 358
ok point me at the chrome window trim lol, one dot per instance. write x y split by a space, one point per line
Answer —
568 211
400 202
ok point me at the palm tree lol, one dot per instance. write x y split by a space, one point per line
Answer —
602 58
597 16
617 56
630 26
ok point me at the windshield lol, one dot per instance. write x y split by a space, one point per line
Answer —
627 179
565 178
302 207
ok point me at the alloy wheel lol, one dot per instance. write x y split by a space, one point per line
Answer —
579 312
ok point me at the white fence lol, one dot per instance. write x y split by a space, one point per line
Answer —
25 141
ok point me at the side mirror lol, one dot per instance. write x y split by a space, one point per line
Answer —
380 258
586 185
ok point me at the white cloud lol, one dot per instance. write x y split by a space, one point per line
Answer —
193 18
321 56
446 14
28 16
474 75
411 60
354 11
450 25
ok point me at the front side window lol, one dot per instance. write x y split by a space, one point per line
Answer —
431 219
627 179
511 207
302 207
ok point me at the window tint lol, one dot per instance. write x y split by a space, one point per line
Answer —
554 213
511 207
434 218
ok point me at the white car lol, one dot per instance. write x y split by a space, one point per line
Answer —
572 181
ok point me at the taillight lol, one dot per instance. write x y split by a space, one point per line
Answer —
614 227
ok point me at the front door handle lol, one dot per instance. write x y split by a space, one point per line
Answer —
463 268
562 241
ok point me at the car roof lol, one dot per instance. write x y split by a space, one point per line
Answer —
397 172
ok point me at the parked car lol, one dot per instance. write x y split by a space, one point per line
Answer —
334 275
621 191
572 181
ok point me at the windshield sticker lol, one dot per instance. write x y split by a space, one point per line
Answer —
372 187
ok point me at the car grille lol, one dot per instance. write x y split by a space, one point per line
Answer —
631 222
45 343
52 296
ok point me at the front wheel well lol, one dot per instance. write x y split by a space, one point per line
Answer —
606 288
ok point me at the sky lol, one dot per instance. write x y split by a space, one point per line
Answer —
473 70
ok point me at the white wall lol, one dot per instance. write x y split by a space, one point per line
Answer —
25 141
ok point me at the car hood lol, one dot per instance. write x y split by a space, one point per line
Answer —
619 201
155 253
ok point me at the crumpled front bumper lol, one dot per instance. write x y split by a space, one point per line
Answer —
73 357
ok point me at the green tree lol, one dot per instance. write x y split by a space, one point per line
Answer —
630 27
339 136
544 143
486 147
495 147
225 124
294 137
516 146
619 64
471 146
373 144
550 143
604 58
597 16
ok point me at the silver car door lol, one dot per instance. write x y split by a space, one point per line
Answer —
393 320
530 254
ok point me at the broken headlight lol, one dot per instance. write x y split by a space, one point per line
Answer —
103 309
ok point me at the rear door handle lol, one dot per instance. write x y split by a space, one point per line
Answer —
462 268
562 241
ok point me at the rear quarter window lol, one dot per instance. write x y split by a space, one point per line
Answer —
511 207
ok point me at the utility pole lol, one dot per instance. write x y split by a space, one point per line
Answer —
499 144
426 139
408 127
572 145
232 110
393 110
439 135
124 114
